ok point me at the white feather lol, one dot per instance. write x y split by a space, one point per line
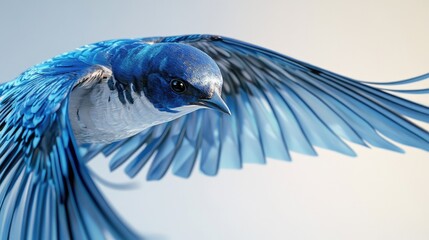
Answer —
95 118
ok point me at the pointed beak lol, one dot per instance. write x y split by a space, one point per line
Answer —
216 102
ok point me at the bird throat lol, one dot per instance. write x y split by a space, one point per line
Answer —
98 114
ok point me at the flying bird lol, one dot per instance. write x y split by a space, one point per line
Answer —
173 103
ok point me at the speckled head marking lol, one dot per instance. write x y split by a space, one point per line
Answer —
179 75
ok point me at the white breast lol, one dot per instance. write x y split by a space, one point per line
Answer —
97 114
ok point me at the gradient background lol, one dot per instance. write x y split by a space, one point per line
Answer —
378 195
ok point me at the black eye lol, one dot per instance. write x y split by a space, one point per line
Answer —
177 85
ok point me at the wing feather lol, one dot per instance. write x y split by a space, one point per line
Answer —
45 190
279 105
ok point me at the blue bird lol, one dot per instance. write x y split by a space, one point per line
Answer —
136 100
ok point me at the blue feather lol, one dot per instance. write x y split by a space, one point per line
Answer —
45 191
279 105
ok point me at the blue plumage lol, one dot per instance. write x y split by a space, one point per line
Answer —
114 97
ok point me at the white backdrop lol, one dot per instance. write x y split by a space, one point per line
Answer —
378 195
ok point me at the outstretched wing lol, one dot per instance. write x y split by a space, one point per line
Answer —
278 105
45 191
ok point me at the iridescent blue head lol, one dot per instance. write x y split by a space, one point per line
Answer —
180 75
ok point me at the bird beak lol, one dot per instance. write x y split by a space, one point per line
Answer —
216 102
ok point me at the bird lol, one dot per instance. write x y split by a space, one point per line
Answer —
174 103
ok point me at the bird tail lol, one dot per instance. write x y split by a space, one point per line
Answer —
52 199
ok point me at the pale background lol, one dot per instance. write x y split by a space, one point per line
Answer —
378 195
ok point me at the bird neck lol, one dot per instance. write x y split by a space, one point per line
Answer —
100 115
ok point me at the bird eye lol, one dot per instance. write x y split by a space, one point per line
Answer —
178 85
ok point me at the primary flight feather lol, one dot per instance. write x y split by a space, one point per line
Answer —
137 99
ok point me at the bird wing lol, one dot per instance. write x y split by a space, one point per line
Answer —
45 190
278 105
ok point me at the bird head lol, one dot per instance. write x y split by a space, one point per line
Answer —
180 77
